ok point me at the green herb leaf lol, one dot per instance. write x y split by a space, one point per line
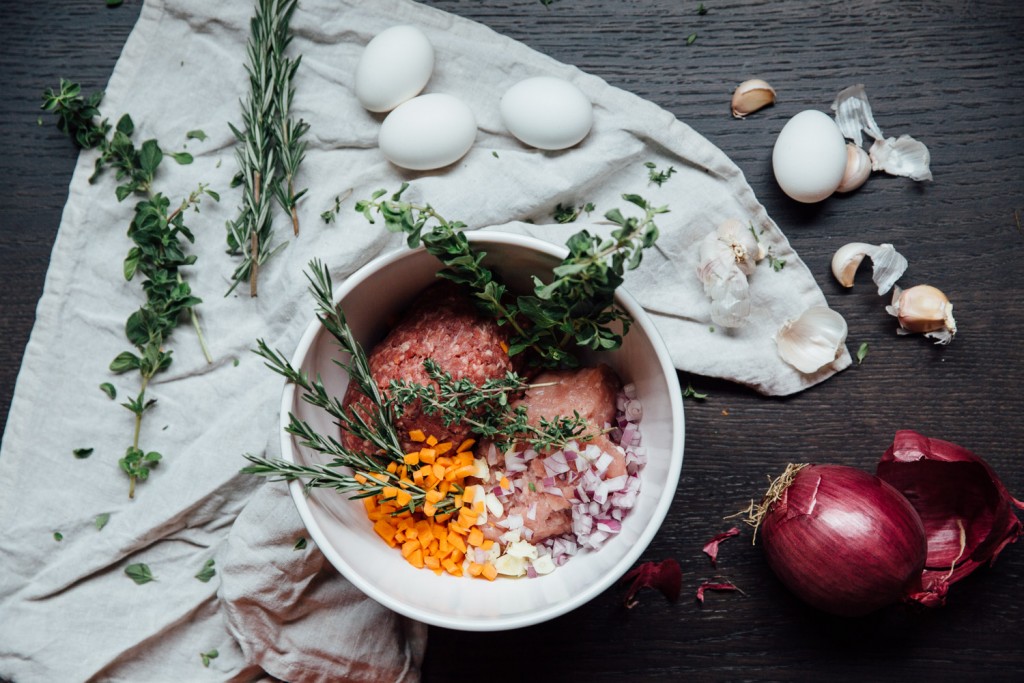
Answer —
82 453
702 10
115 3
690 39
183 158
207 572
195 135
101 520
690 392
139 573
150 156
207 657
109 390
300 544
58 536
862 352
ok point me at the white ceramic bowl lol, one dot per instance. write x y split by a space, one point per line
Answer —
371 299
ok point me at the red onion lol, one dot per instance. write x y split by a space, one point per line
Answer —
840 538
968 514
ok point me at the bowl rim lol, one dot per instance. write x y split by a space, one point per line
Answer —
301 499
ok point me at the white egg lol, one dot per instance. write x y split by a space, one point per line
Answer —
547 113
427 132
809 158
394 67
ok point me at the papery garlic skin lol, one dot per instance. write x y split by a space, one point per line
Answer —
728 254
902 156
813 340
858 168
751 96
888 264
923 309
853 114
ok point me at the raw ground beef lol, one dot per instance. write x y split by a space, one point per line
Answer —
444 325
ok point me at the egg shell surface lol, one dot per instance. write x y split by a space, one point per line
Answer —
394 67
427 132
809 158
547 113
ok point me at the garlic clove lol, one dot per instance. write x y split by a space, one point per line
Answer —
750 96
724 283
813 340
923 309
888 264
902 156
858 168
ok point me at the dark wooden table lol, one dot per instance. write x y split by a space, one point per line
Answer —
947 72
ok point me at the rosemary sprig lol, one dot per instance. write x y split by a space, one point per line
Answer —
157 253
378 427
271 145
575 308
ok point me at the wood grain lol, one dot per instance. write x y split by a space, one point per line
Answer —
947 72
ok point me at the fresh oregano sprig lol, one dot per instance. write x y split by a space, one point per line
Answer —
575 309
271 146
157 255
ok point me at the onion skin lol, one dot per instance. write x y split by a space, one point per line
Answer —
843 540
967 512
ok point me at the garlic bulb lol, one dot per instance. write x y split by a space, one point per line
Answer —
750 96
728 254
858 168
923 309
888 264
902 156
813 340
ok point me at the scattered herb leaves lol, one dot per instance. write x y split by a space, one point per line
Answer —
139 573
690 392
331 214
58 536
702 10
195 135
101 520
207 572
776 263
83 453
658 177
691 39
300 544
109 390
207 657
566 213
862 352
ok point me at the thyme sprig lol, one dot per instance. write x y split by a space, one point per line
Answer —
486 407
576 307
271 146
158 235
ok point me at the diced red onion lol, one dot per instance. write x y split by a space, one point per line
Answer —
531 573
611 526
514 522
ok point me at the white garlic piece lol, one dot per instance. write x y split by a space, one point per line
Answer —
727 256
902 156
858 168
750 96
853 114
888 264
813 340
923 309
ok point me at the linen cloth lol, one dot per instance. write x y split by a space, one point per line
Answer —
67 610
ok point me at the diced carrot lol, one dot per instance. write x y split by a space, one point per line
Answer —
427 455
370 504
385 531
403 498
504 483
504 347
417 435
475 568
476 537
408 547
433 496
489 572
469 494
431 440
460 473
429 510
361 478
416 558
412 458
392 467
466 445
487 544
432 562
443 448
